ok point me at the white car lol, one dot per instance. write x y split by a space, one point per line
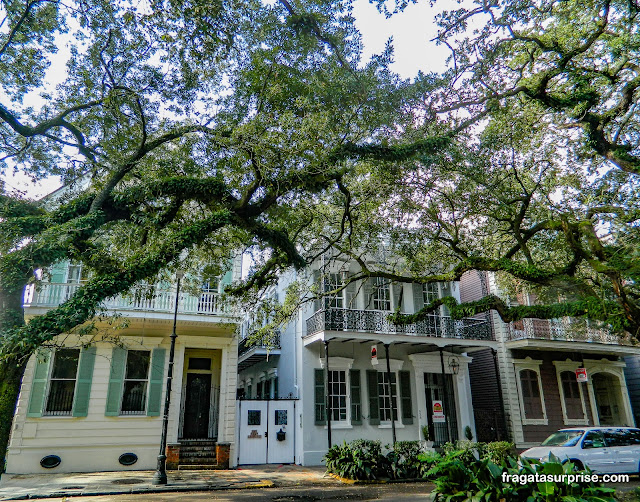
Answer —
602 449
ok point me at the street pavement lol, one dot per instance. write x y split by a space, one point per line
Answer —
29 486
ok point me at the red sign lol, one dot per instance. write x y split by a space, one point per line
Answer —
581 374
374 354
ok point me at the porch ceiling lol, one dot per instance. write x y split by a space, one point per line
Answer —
574 346
255 355
399 339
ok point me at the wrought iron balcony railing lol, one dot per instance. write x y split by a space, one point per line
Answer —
568 329
373 321
141 298
244 345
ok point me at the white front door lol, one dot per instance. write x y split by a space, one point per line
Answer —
281 430
253 432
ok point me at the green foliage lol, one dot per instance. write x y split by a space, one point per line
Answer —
361 459
468 434
404 461
457 480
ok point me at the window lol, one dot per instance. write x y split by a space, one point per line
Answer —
63 382
531 398
381 294
332 282
136 379
593 439
429 293
338 386
572 396
618 437
384 396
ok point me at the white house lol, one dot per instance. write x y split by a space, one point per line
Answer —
97 405
324 360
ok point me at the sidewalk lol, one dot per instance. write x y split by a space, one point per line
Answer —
33 486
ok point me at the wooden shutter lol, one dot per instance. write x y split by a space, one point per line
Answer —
320 406
418 298
368 293
275 388
405 397
39 384
356 401
83 384
374 405
116 378
397 296
156 379
58 271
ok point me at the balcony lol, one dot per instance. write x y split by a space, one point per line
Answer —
251 353
143 298
372 321
566 330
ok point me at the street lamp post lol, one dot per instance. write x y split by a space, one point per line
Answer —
160 477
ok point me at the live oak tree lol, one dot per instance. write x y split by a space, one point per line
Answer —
186 130
544 188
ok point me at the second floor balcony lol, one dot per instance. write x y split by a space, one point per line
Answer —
142 298
567 330
373 321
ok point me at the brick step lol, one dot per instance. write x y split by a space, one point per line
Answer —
197 460
197 442
199 454
189 449
198 467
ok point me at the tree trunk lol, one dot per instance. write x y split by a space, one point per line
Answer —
10 377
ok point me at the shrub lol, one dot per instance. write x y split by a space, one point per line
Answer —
483 480
403 460
361 459
498 451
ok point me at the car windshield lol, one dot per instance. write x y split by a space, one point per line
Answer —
563 438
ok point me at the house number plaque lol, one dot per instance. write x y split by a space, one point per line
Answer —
254 435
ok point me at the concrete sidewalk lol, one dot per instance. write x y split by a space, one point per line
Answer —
34 486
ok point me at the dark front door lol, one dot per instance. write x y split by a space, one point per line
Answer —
196 406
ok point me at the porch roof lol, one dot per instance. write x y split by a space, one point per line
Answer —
574 346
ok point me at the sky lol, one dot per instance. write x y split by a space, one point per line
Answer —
411 30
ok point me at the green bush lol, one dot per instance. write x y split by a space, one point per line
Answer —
403 460
497 451
361 459
483 480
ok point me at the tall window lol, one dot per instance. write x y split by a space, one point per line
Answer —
332 282
63 382
531 399
572 398
381 294
136 379
384 396
429 293
338 386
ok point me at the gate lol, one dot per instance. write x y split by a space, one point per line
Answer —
266 431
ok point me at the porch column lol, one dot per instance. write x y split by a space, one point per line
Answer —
391 394
445 397
328 388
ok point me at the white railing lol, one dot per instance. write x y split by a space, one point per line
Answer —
140 298
566 329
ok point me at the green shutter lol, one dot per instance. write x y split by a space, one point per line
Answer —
356 402
116 377
374 406
275 388
405 397
83 384
320 413
156 379
39 384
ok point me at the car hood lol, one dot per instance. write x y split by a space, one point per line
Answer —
542 451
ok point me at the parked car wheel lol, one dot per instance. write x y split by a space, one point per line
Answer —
577 465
